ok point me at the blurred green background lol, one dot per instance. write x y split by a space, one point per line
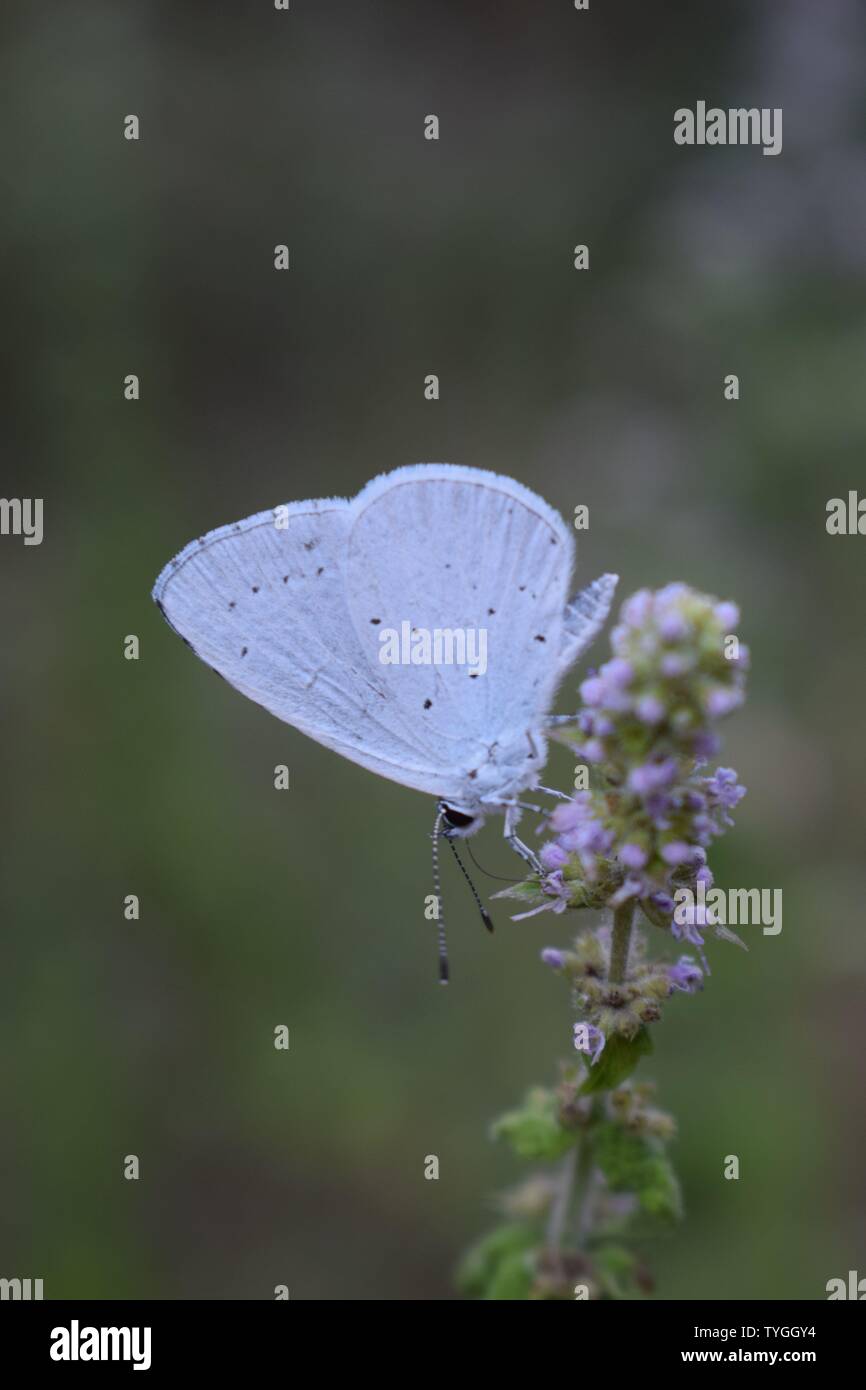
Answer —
306 908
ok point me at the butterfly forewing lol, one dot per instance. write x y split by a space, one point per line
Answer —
264 603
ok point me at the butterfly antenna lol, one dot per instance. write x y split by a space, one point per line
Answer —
481 869
485 915
440 921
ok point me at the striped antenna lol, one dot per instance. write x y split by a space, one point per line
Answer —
440 921
485 915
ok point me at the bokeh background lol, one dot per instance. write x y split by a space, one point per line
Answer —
306 908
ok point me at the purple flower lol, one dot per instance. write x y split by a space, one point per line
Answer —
690 912
677 852
723 786
690 921
589 1039
674 591
675 664
706 743
618 672
633 856
554 958
592 838
555 887
553 856
558 893
647 722
727 616
658 808
630 888
568 815
663 901
673 626
593 750
650 709
686 975
593 691
721 700
637 610
652 777
723 792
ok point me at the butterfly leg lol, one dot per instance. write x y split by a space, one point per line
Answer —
552 791
512 815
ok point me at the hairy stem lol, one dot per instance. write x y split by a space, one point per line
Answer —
562 1200
623 919
586 1212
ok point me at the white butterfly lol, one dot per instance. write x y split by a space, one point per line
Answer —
291 607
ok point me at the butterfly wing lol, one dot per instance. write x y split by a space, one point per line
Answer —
264 603
289 607
585 616
443 547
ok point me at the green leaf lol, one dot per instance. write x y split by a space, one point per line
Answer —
513 1279
527 890
617 1061
638 1163
534 1131
616 1266
481 1265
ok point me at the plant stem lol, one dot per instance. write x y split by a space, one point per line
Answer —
587 1208
559 1209
623 918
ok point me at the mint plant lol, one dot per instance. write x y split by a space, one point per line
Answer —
630 845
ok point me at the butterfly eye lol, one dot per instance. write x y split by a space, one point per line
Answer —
458 819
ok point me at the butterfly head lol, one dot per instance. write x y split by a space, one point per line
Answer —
459 824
